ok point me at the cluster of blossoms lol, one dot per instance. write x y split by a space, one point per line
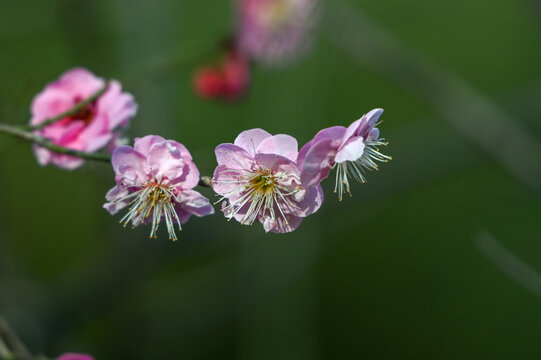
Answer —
259 177
265 178
268 32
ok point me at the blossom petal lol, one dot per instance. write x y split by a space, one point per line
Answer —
49 103
194 203
302 153
280 225
42 154
352 130
249 140
165 162
373 134
143 145
190 173
225 179
96 129
311 202
118 106
98 142
80 82
280 144
66 162
63 134
73 356
351 151
115 193
232 156
334 132
318 163
368 122
129 164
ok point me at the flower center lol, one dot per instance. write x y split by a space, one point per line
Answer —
275 14
152 202
258 192
86 114
263 181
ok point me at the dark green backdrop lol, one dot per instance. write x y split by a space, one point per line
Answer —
414 266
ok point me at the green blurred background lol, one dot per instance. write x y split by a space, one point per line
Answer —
414 266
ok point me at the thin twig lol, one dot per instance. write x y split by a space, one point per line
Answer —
73 111
46 143
205 181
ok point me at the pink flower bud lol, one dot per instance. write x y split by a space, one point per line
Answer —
228 80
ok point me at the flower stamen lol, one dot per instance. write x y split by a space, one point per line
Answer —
154 198
261 188
356 169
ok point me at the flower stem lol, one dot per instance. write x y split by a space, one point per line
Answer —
46 143
16 131
73 111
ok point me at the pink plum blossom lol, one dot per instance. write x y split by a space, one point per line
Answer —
155 178
93 128
73 356
274 31
351 150
258 179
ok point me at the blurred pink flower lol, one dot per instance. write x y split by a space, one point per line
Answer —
259 177
93 128
155 178
228 80
275 31
72 356
351 150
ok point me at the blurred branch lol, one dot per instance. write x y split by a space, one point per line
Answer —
509 263
12 341
535 7
5 354
470 112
